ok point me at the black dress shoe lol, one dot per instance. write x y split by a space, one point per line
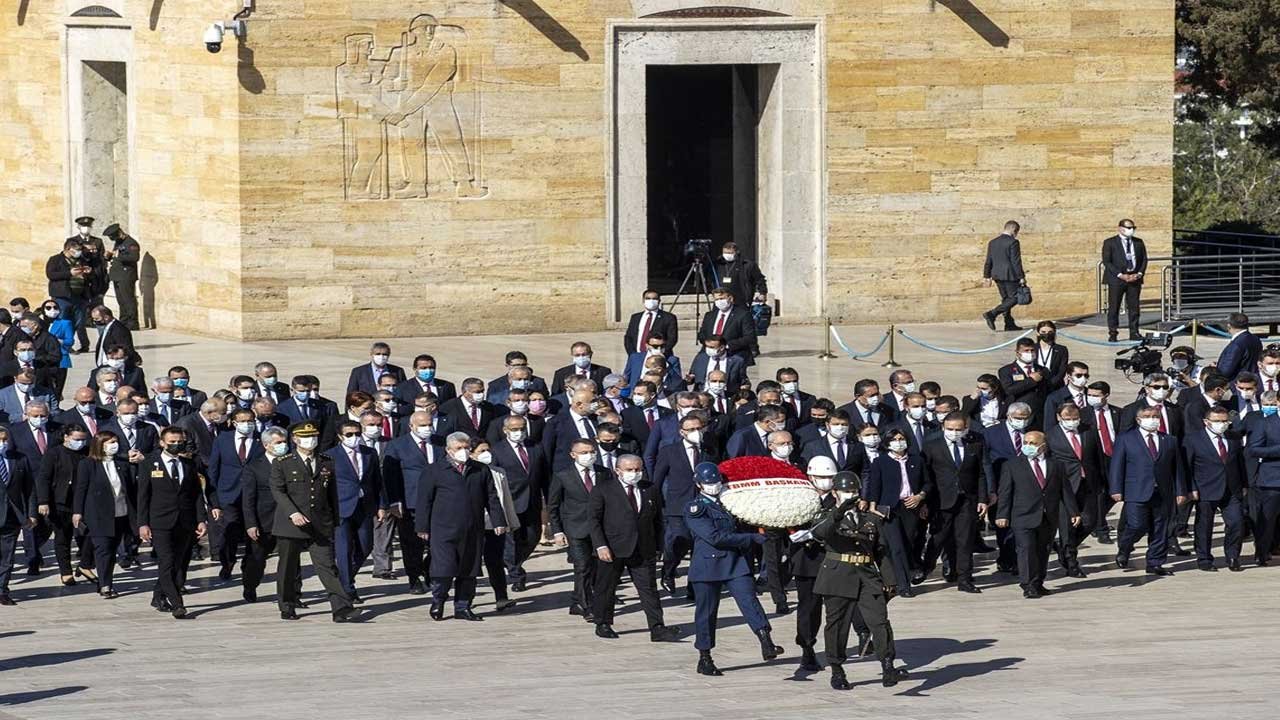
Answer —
180 613
1076 572
437 611
356 599
1111 337
503 605
300 603
1104 537
669 584
519 586
809 661
1122 561
1181 552
1009 569
838 679
7 601
417 588
606 632
288 614
350 615
1262 561
250 596
906 592
949 577
161 604
225 573
466 615
991 324
1135 336
1043 590
663 633
1159 571
917 577
782 609
126 563
109 594
1234 566
969 587
707 666
576 609
33 567
1032 593
1207 568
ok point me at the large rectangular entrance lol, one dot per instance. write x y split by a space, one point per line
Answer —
701 156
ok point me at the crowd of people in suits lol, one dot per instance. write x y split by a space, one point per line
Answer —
465 479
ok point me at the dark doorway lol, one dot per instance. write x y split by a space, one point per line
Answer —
701 146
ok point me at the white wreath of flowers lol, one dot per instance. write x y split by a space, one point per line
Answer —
772 502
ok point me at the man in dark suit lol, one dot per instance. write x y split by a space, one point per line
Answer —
1074 390
365 377
653 319
732 322
740 275
1264 450
404 462
517 404
568 503
834 443
581 367
1024 380
14 398
168 491
360 501
914 422
1031 498
163 409
956 496
231 452
470 412
866 408
1243 351
528 478
796 400
182 379
578 421
1212 391
715 356
1124 263
1155 394
1078 452
85 413
1216 474
674 479
112 333
260 509
453 497
643 414
1002 443
305 489
1004 266
626 523
204 426
518 375
70 276
1147 475
17 507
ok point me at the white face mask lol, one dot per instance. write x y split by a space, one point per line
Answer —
716 388
652 304
1270 370
585 460
350 442
245 393
898 445
930 403
1027 357
953 435
630 477
485 457
844 497
713 489
477 398
782 452
164 397
307 443
712 352
1096 401
873 401
1079 382
1069 425
1218 428
516 436
1246 394
694 437
1157 394
1126 232
838 432
640 400
728 257
1149 424
372 432
381 359
908 388
723 304
422 432
790 388
916 412
111 449
244 428
37 422
1018 423
127 419
459 456
870 441
823 484
110 386
519 407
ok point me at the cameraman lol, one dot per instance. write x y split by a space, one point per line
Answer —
1184 370
741 276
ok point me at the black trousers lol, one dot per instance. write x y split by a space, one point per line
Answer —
33 540
413 551
255 559
1033 553
524 540
808 612
104 552
901 531
63 535
127 299
872 606
1232 509
289 571
951 535
583 557
495 566
1069 538
1008 298
171 547
777 577
1264 533
644 576
227 534
1130 293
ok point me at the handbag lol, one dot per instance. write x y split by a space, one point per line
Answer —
1023 295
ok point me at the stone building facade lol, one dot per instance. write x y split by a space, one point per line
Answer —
381 167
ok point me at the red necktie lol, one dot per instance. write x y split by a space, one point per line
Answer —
720 324
91 423
1075 445
631 497
1163 428
1039 473
1104 432
41 443
720 405
386 427
475 416
1151 446
1017 441
586 480
648 416
244 450
1271 384
422 445
355 461
644 334
1222 450
524 457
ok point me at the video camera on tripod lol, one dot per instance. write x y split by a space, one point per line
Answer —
695 247
1145 357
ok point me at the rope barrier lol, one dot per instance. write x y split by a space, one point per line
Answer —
1214 330
951 351
1106 343
853 355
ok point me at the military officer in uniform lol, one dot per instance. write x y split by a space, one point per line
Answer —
720 559
806 557
123 273
851 576
305 488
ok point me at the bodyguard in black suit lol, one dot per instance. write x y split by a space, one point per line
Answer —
1077 449
835 443
731 322
1031 493
168 491
1212 391
914 423
653 319
1216 473
1004 266
956 495
626 525
1025 380
55 494
1124 262
1156 390
528 479
568 507
582 367
1074 390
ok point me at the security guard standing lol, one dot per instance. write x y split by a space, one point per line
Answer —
849 578
123 273
806 559
719 559
305 488
95 281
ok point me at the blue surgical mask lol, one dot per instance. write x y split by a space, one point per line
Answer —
181 382
1030 450
426 374
26 355
1268 410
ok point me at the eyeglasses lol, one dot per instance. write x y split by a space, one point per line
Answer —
1129 227
350 434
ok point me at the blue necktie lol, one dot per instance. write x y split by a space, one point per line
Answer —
4 472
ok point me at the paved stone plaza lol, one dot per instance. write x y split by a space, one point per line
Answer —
1113 645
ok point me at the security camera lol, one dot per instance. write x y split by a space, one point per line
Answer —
213 37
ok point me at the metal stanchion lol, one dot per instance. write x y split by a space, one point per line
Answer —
1195 333
826 353
891 362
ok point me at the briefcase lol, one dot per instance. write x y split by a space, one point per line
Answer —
1023 295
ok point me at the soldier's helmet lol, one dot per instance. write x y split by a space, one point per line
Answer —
707 473
847 482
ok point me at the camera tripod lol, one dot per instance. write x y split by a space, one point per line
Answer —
695 281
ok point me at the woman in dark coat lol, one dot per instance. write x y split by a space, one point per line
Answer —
55 490
105 502
453 495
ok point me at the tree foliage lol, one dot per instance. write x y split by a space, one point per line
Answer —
1221 179
1232 54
